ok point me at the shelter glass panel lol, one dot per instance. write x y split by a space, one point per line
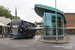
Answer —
50 24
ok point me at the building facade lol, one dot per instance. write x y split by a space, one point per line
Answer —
70 17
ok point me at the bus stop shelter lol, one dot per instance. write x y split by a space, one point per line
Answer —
49 20
3 23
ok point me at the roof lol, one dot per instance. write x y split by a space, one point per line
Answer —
4 20
1 24
69 13
40 9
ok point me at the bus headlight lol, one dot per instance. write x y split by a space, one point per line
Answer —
25 28
20 29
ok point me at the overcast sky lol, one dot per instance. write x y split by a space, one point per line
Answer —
25 7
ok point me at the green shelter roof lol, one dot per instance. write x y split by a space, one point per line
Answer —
40 9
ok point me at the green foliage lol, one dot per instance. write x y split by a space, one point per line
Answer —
15 17
39 30
35 25
70 32
41 26
6 12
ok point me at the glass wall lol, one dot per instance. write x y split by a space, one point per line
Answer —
50 24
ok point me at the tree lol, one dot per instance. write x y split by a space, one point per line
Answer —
15 17
6 12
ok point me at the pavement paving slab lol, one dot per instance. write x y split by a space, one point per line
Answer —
65 40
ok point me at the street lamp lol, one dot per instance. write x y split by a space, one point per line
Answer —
56 21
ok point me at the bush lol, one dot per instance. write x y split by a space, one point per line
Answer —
70 32
35 25
40 26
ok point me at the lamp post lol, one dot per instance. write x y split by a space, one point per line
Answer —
56 21
15 11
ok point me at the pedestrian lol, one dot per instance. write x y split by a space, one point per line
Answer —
6 33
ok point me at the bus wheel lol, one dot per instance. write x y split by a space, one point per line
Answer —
32 37
15 38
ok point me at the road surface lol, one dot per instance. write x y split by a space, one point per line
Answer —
33 44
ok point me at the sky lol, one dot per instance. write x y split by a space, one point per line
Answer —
25 8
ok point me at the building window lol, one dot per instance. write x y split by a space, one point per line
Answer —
50 24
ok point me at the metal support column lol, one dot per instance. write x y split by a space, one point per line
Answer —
63 26
42 32
56 22
2 31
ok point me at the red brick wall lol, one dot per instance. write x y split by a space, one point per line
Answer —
70 17
71 30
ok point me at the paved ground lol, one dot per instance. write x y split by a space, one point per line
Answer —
3 36
33 44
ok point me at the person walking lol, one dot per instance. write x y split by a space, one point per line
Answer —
6 33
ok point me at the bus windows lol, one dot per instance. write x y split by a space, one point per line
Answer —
25 23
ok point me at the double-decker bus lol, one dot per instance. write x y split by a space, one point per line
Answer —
21 29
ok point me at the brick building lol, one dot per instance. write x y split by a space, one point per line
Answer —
70 22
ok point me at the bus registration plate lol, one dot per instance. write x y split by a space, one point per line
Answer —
15 26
